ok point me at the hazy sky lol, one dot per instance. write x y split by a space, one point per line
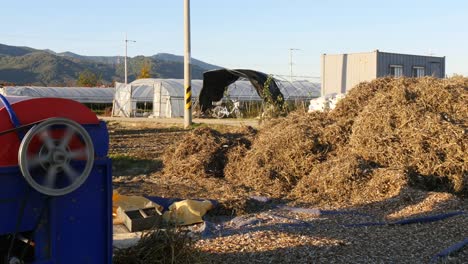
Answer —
253 34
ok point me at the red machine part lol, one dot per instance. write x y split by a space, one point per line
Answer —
31 110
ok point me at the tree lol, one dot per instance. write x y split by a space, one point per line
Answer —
88 78
145 71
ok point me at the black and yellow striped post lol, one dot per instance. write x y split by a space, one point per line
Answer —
188 97
187 70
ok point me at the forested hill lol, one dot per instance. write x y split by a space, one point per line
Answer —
29 66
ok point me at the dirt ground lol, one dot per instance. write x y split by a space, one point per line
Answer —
252 231
136 149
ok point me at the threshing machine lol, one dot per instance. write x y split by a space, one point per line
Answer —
55 183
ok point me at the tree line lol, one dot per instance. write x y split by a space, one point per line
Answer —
88 78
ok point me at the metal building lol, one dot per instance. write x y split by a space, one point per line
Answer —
341 72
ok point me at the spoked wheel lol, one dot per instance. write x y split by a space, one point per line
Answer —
218 112
56 156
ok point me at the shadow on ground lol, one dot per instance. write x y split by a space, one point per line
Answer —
123 165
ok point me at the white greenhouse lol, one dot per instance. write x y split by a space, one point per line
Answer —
80 94
167 95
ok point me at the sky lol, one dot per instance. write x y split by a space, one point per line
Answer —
255 34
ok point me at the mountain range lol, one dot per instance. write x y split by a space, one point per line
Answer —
29 66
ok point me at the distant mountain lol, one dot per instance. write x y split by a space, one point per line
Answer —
160 56
176 58
96 59
14 51
43 68
28 66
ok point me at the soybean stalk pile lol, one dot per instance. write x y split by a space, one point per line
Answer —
385 136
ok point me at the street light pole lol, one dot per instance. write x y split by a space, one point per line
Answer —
187 70
291 63
126 44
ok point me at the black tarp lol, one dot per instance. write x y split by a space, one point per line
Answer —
216 82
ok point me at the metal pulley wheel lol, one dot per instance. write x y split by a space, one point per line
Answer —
56 156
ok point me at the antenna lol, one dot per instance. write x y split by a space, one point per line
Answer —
291 63
126 44
431 53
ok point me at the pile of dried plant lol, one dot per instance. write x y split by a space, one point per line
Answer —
284 150
356 100
384 136
198 161
196 156
203 152
412 132
359 96
348 179
420 128
160 246
287 149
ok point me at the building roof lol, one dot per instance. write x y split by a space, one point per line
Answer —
394 53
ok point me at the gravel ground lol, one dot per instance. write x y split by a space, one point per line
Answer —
300 238
276 235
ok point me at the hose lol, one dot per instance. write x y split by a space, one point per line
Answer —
452 249
14 119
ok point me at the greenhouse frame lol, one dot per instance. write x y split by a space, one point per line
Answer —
80 94
99 100
167 95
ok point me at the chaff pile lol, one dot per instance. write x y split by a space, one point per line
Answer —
421 128
283 152
204 152
410 133
386 135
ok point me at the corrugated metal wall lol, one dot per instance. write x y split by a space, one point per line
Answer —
433 66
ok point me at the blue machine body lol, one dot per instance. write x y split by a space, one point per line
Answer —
68 229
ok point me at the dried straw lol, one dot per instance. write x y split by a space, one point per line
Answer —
385 135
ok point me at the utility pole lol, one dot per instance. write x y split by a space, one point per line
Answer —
187 68
126 44
291 63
